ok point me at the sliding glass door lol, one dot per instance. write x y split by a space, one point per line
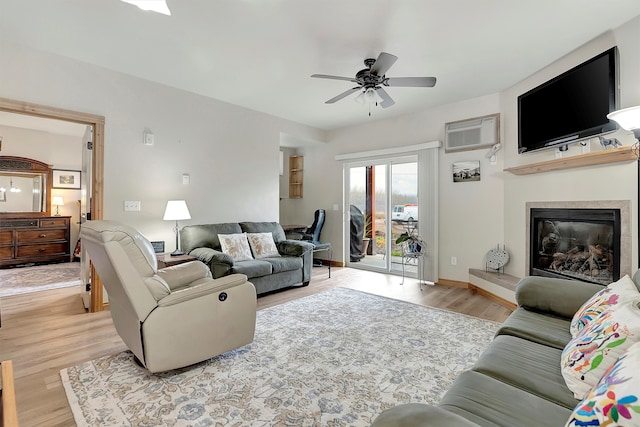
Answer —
382 197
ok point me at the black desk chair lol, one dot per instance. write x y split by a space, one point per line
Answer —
312 234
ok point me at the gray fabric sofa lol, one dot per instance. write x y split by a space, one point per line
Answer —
517 381
292 268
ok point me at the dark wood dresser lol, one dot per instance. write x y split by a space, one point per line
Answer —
34 240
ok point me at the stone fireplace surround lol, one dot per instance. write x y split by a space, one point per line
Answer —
625 225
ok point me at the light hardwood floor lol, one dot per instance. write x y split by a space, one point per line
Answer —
47 331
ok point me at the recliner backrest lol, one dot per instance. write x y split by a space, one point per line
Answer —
123 259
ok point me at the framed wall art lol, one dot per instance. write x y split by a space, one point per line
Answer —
68 179
466 171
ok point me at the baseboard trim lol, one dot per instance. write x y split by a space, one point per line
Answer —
333 263
454 283
503 302
495 298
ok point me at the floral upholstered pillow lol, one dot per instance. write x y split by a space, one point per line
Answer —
598 345
262 245
614 400
236 246
615 293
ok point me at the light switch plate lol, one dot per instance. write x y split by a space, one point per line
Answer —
132 205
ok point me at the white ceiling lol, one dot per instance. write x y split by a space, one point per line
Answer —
260 53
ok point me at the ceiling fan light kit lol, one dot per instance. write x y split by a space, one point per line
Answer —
369 97
371 79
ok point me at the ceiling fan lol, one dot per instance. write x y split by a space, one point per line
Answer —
371 79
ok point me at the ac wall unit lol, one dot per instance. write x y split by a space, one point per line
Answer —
472 134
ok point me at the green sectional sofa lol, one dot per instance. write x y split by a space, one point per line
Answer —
290 267
518 380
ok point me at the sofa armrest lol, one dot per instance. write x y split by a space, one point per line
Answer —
420 415
204 287
302 249
559 297
180 275
294 247
208 256
219 262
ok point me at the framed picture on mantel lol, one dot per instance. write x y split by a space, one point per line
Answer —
68 179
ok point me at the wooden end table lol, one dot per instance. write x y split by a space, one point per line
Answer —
166 260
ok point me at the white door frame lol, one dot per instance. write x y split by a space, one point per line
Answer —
427 155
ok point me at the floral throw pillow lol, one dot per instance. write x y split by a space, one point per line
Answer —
236 246
614 400
598 345
262 245
615 293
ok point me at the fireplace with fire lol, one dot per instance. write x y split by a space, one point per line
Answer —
581 244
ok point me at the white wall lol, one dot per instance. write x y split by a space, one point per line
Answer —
230 152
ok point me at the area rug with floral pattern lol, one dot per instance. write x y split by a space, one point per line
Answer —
337 358
23 280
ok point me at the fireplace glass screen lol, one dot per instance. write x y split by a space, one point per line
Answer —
581 244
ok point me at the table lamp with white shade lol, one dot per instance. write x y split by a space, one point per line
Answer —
176 210
57 201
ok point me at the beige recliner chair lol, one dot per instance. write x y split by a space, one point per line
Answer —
173 317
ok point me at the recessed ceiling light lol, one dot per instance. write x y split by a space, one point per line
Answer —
159 6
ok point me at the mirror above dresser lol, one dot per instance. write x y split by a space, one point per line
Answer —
29 234
25 188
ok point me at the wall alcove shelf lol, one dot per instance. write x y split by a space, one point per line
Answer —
613 155
296 170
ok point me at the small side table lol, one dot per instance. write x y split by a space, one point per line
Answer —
166 260
293 231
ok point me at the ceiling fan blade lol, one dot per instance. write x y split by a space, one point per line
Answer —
386 99
343 94
326 76
383 63
410 81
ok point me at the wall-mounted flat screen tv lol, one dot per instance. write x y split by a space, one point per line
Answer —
570 107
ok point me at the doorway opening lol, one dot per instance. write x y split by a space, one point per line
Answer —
383 196
96 123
